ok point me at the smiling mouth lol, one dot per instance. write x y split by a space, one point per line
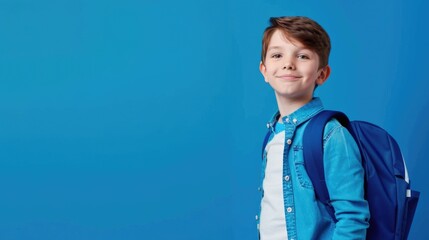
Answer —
289 77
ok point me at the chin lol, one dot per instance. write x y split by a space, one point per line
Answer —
285 92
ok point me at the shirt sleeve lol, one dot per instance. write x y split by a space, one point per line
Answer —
344 177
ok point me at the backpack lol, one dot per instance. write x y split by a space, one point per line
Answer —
391 201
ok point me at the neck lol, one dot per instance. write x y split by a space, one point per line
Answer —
288 106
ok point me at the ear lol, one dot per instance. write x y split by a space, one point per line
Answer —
323 75
263 70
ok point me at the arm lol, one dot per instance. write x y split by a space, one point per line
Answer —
345 181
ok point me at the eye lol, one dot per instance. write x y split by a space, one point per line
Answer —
276 55
303 56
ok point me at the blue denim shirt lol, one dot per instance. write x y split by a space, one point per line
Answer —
306 217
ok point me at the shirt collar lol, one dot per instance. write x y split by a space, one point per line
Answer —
299 116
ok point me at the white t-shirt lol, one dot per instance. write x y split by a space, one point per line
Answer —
272 223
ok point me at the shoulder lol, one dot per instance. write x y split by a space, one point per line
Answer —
334 130
332 127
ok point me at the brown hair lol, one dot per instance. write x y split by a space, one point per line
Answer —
303 29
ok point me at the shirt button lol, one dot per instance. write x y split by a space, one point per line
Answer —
294 120
287 120
268 125
289 209
287 178
259 189
289 141
256 217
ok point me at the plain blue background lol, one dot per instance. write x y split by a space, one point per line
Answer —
144 119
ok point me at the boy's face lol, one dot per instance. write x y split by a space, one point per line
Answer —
291 69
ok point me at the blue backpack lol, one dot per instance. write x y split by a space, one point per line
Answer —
391 201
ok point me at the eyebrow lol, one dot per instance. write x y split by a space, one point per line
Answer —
274 47
280 48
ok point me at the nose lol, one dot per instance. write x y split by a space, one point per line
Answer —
288 64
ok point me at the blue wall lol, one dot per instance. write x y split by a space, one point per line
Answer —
143 119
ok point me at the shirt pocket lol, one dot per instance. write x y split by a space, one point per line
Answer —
301 173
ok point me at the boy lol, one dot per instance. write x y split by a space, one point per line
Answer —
295 52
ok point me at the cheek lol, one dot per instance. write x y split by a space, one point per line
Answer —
315 75
312 73
271 70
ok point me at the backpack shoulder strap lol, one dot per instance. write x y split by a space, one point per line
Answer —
313 152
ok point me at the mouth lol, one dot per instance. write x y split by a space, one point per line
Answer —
289 77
